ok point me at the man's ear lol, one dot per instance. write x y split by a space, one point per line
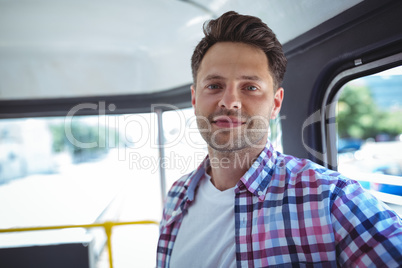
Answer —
193 95
278 98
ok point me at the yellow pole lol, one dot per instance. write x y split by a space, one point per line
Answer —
108 230
108 225
93 225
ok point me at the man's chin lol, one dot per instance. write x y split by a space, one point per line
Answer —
225 149
228 146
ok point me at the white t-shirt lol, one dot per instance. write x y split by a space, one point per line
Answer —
206 237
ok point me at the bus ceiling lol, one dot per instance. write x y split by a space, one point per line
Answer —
55 53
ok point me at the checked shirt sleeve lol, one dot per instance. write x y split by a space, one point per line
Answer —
367 233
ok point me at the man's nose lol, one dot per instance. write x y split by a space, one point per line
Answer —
230 99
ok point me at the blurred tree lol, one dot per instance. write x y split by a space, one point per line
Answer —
390 123
57 131
360 117
83 133
357 113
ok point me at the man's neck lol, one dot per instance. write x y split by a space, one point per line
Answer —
228 167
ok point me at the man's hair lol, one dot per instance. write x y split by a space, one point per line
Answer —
233 27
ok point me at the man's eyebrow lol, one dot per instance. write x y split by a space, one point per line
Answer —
250 77
213 77
243 77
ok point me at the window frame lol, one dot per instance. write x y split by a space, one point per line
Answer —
330 100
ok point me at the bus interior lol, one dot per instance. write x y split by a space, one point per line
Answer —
96 121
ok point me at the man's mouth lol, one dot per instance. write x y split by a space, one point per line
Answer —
227 121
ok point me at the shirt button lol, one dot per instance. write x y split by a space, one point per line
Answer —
259 192
174 213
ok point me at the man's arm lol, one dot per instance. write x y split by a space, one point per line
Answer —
366 231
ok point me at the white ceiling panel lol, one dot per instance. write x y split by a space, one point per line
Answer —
56 49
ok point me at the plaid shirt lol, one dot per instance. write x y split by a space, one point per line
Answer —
291 212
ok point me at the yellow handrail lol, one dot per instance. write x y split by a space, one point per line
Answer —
107 226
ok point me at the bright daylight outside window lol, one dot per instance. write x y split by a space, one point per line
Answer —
81 170
86 169
369 121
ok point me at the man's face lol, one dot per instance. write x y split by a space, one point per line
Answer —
234 97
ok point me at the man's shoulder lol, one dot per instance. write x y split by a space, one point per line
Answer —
176 196
305 169
180 185
305 177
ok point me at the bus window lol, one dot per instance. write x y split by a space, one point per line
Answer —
185 149
369 130
80 170
275 133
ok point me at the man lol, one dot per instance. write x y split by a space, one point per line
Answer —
248 205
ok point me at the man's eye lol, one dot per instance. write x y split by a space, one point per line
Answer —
251 88
213 87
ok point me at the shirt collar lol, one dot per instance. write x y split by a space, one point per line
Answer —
175 209
255 180
192 182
